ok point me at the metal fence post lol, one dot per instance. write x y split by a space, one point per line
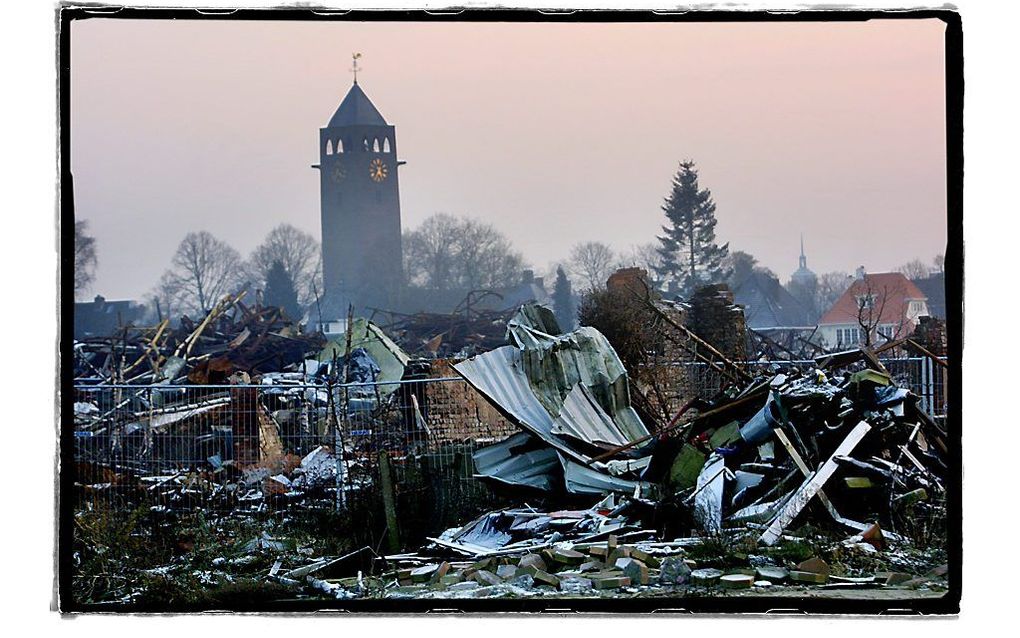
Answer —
389 502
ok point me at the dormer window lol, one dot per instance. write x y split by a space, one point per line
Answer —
866 302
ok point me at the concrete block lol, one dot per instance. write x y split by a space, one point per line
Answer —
736 581
772 574
533 560
633 569
506 572
591 566
424 573
705 577
811 578
599 581
575 585
620 552
674 571
545 578
644 557
815 565
565 556
486 578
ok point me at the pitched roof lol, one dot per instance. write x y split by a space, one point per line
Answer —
934 288
356 110
767 304
892 290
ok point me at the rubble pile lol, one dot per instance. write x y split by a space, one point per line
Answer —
603 551
231 338
823 477
458 335
839 447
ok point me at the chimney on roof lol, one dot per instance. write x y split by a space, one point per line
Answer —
528 276
861 272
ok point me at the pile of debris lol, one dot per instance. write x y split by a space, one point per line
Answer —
569 394
456 335
756 455
603 551
230 338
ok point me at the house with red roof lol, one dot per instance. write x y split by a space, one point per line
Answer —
883 306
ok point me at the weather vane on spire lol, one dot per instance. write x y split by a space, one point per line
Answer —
354 68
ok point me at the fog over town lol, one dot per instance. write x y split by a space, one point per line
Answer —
554 135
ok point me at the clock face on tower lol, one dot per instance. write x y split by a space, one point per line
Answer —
377 170
338 173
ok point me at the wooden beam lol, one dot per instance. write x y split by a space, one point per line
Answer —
812 485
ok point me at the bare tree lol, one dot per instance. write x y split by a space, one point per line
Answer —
85 260
297 251
915 269
592 262
166 297
203 269
940 263
449 253
875 323
644 256
831 287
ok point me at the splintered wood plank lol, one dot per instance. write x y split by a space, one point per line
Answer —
812 485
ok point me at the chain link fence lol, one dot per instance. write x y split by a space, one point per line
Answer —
921 375
358 450
280 449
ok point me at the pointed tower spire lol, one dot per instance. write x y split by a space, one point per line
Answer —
803 258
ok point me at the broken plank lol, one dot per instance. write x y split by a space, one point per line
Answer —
812 485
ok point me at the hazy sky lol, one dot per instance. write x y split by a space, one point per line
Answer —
553 133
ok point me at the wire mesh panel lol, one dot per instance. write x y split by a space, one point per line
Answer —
697 379
271 449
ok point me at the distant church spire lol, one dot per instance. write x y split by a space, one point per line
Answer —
354 65
803 274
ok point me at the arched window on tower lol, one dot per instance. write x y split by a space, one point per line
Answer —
329 147
386 145
364 144
339 145
375 145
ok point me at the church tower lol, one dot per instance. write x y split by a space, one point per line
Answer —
360 206
803 286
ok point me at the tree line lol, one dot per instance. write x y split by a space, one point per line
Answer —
447 252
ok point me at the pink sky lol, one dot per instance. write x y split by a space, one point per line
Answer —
553 133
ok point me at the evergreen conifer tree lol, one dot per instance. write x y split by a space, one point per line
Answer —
689 252
280 291
563 301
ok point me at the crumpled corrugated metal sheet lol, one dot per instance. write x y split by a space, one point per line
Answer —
520 460
580 479
570 390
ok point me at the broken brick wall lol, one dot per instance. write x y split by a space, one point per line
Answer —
458 413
